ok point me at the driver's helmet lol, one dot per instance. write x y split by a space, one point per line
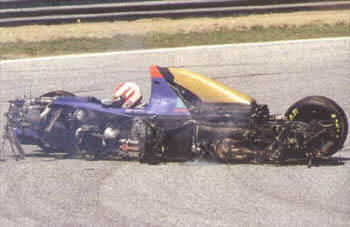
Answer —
128 94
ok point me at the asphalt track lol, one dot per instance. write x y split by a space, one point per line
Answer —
48 190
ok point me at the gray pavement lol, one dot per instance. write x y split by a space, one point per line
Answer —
44 190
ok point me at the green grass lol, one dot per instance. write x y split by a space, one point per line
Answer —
256 34
161 40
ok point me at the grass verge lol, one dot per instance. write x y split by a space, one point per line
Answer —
23 49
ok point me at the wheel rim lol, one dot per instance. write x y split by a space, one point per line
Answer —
327 143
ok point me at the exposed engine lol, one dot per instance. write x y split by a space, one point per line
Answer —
120 140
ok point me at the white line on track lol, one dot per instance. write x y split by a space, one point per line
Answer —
171 49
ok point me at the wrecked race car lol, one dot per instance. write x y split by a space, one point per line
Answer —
188 117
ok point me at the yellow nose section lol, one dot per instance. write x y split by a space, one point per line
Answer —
207 89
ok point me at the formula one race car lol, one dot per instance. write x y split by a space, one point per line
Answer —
188 117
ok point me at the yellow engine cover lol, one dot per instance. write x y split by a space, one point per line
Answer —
207 89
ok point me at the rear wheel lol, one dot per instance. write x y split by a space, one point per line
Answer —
327 113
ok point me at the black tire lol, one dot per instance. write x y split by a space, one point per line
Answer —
321 108
58 93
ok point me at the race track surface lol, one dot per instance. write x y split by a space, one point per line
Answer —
50 190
